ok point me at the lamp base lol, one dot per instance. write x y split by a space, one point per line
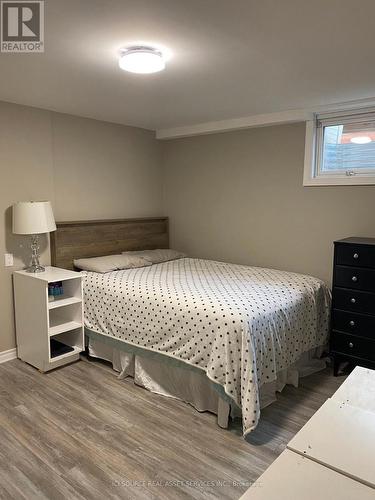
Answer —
35 269
35 265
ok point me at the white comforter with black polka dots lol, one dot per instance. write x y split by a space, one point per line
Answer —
239 324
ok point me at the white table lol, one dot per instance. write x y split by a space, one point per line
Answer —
358 389
341 437
292 476
333 455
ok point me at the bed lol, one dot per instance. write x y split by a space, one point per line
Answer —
223 337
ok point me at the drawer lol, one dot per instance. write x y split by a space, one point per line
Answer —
353 300
353 277
353 323
355 255
353 346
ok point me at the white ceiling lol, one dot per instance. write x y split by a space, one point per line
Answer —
231 58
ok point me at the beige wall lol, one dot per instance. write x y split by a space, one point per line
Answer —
102 170
87 168
238 197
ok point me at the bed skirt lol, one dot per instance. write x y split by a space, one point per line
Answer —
192 386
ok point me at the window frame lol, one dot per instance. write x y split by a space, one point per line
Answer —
313 176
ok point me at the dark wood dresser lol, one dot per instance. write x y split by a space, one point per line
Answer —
353 302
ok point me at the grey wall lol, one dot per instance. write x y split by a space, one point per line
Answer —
238 197
87 168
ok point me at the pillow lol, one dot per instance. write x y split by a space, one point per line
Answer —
157 256
109 263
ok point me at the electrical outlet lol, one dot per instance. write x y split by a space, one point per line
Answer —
8 260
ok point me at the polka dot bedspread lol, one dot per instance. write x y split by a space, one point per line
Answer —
239 324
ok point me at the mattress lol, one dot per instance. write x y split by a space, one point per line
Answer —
241 325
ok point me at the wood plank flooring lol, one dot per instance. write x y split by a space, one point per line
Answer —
80 433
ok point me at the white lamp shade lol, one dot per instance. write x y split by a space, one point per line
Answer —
33 217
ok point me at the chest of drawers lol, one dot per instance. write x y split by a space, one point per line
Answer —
353 302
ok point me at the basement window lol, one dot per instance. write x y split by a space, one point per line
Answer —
340 149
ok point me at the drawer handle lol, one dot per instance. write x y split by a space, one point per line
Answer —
353 300
351 344
355 256
354 278
351 323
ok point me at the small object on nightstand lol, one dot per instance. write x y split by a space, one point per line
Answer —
55 289
58 348
51 295
49 332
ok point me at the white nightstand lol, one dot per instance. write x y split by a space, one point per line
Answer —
38 321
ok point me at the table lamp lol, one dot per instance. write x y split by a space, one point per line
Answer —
33 218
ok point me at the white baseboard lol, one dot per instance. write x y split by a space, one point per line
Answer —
8 355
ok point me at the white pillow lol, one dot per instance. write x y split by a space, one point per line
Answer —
109 263
157 256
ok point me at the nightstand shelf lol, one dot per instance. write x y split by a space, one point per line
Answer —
38 320
66 326
76 351
63 301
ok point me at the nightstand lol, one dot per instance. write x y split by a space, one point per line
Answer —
353 302
40 323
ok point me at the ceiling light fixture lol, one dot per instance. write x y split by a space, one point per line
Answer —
362 139
141 59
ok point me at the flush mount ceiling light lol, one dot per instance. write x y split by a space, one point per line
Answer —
363 139
141 59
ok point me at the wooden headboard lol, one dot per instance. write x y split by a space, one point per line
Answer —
80 239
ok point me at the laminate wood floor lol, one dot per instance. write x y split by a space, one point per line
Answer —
80 433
